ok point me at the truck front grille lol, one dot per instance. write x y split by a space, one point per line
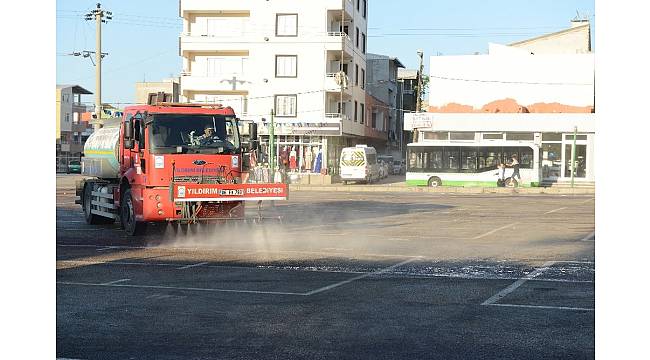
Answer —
205 180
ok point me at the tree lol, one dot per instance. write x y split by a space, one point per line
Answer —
421 95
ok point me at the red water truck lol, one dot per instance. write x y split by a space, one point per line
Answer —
169 162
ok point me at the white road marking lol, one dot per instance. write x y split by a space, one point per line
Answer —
181 288
310 269
191 266
552 211
332 286
542 307
76 229
116 281
493 231
586 201
589 237
234 250
501 294
108 248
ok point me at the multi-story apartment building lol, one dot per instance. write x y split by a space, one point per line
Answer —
71 130
146 92
382 85
407 81
303 60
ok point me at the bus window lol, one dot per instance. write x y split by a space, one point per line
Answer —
489 158
468 159
526 157
435 159
413 158
508 153
451 157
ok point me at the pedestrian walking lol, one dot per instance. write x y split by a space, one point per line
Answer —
514 164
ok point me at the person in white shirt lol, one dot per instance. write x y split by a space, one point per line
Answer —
501 172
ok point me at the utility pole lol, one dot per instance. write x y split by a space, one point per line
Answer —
272 144
418 106
98 15
573 156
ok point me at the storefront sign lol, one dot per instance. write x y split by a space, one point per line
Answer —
417 121
301 128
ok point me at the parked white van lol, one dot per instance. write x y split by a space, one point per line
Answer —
359 164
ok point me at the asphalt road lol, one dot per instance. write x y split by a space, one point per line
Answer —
342 276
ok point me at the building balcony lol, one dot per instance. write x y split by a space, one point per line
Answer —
333 117
332 84
336 5
236 82
337 41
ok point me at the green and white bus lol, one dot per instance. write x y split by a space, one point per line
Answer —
447 163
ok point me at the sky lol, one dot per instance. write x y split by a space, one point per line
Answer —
142 39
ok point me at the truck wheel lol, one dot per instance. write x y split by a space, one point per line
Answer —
92 219
435 182
127 216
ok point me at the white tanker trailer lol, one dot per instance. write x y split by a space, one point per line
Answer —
101 152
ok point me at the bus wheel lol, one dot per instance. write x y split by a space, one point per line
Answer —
435 182
127 215
511 183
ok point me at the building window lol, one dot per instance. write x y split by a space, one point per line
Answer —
363 113
493 136
363 42
67 117
520 136
75 118
357 38
356 75
286 25
436 135
286 66
551 137
226 27
578 137
363 78
358 5
365 8
226 66
285 105
461 136
356 105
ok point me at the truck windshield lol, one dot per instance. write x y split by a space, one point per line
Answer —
205 134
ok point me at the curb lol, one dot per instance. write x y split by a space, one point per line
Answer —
443 189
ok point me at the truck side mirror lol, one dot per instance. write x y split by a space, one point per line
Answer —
128 128
252 132
128 134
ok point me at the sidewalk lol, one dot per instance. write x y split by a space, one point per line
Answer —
393 184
